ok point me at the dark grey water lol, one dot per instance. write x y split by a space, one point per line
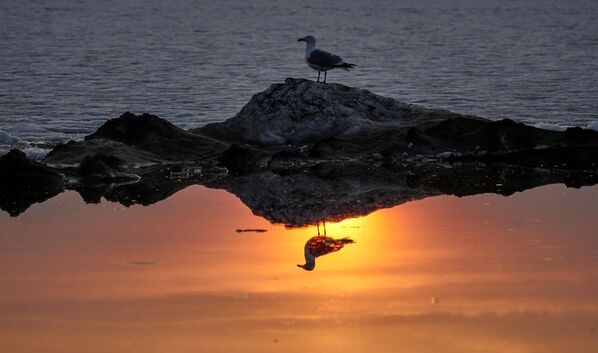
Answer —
66 66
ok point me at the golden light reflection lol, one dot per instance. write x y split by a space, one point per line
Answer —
484 273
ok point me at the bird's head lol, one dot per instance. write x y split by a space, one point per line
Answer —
308 39
308 266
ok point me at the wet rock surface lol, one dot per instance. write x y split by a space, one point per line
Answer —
303 151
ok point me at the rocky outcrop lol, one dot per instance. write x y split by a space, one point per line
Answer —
138 141
303 151
503 136
300 122
152 134
299 112
332 122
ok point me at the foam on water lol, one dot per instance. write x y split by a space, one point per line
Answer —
550 126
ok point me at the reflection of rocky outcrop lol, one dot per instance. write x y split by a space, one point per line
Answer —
153 187
322 194
331 192
335 193
303 151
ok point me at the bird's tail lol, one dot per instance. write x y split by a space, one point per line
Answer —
346 66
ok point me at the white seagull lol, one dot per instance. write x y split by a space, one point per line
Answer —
320 60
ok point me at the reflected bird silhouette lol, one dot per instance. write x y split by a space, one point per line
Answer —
321 245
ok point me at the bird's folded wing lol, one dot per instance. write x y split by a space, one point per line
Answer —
324 58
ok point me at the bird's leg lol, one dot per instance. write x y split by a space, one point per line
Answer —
325 76
324 222
318 76
318 225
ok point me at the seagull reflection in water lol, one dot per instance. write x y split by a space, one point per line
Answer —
321 245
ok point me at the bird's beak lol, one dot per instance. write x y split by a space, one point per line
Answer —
300 266
301 40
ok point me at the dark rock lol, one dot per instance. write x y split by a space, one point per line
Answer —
465 134
15 166
139 130
303 151
567 158
140 140
578 135
238 160
326 123
72 154
24 182
299 111
339 123
413 135
101 166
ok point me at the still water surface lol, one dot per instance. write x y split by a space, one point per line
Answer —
483 273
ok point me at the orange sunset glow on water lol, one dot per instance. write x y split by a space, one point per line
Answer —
483 273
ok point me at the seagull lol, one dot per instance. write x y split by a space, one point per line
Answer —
320 60
321 245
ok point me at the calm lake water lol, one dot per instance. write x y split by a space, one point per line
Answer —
66 66
483 273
